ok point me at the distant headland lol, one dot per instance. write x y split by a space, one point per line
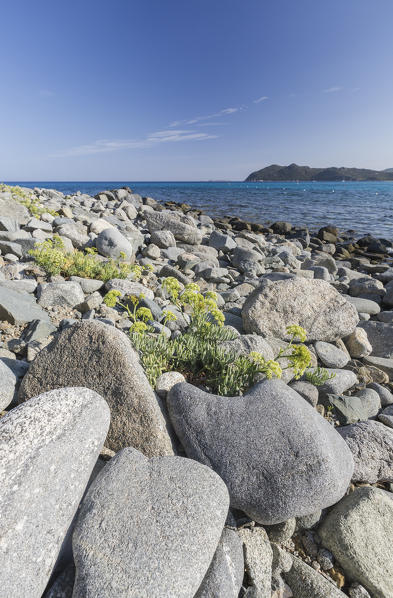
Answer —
294 172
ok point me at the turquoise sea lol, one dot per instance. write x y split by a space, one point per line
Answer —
364 207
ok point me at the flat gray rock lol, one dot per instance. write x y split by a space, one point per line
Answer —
371 445
100 357
65 293
19 308
358 533
384 394
364 306
351 409
258 557
148 528
224 577
305 582
341 381
277 455
313 304
48 448
245 343
380 336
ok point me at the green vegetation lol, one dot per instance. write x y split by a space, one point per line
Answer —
198 353
318 376
31 202
294 172
54 259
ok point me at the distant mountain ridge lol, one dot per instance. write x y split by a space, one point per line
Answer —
294 172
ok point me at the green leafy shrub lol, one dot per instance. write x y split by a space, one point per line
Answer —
318 376
54 259
197 353
30 201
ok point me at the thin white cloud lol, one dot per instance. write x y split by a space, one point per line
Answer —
332 89
198 119
261 99
158 137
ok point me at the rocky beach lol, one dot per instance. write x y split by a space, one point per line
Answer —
191 406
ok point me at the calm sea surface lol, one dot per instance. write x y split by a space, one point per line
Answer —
364 207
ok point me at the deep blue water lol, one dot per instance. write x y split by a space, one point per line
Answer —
366 207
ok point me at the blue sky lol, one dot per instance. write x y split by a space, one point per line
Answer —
193 90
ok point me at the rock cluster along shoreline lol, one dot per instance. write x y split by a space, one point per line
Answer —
112 488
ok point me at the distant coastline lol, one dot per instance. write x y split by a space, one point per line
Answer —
294 172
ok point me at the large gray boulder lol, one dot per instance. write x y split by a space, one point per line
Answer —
313 304
19 308
48 448
167 221
224 577
100 357
277 455
111 243
10 208
371 444
358 533
148 528
380 336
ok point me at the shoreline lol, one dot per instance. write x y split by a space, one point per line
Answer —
300 434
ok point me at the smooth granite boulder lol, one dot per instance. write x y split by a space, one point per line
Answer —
111 243
330 355
371 445
277 455
351 409
305 582
148 528
224 577
8 380
100 357
19 308
169 221
48 448
358 533
313 304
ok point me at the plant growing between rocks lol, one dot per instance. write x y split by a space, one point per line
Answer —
31 202
197 353
54 259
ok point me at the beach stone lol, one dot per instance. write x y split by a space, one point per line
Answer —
99 225
358 533
163 520
225 574
258 558
386 316
313 304
368 288
26 285
358 591
182 231
88 285
76 232
166 381
371 445
222 242
19 308
281 532
8 382
380 336
248 261
48 449
308 391
330 355
163 239
382 363
100 357
384 394
365 306
343 380
111 243
129 287
305 582
65 293
386 417
365 404
246 343
9 208
250 442
388 298
358 344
